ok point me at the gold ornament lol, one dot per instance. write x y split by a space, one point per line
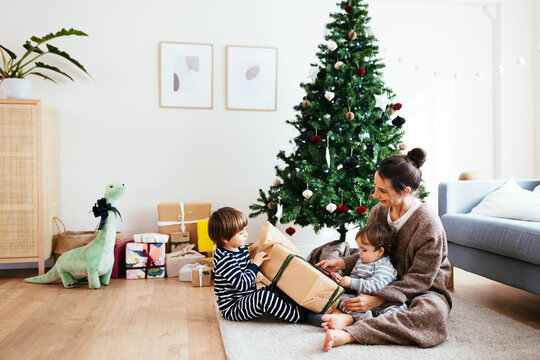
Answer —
402 146
390 111
277 182
305 104
271 205
349 116
352 35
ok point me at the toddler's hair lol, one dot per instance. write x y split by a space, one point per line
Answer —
380 235
225 223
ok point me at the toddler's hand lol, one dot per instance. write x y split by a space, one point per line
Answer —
345 281
259 258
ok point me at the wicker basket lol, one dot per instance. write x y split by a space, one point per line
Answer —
67 240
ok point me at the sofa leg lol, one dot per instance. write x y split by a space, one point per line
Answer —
450 284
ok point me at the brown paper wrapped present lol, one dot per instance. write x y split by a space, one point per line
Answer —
301 281
182 217
176 260
201 276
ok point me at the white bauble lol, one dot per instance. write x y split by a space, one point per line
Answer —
329 95
338 65
331 207
331 44
307 194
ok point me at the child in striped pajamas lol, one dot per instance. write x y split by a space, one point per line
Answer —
235 273
373 270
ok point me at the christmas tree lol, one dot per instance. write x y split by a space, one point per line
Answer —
347 124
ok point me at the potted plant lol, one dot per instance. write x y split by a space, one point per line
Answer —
13 72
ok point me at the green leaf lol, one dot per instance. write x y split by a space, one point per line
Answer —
54 50
52 68
62 32
31 48
10 53
45 77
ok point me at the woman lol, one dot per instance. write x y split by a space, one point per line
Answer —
419 256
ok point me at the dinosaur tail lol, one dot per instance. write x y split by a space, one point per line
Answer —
50 276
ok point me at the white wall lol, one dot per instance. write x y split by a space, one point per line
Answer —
112 129
536 66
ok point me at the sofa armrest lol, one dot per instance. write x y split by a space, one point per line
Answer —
460 197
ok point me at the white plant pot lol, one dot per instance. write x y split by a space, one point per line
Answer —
16 88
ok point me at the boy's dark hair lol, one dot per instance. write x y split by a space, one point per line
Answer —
379 235
225 223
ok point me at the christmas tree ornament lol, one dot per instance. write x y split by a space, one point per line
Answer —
338 65
521 61
327 155
366 136
361 210
360 72
352 35
313 72
350 163
331 45
329 95
271 205
290 230
279 212
397 106
381 101
500 69
331 207
316 139
277 182
390 111
342 208
398 121
402 146
305 103
307 194
349 116
348 9
321 74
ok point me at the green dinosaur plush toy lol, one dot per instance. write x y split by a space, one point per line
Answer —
95 260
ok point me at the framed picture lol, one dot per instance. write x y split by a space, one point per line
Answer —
251 78
186 74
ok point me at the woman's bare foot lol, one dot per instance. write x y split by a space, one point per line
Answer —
336 321
336 338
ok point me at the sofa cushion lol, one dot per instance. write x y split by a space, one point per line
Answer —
513 238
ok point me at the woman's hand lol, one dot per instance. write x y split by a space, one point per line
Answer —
259 258
332 265
363 303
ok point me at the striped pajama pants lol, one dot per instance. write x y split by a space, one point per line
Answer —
267 300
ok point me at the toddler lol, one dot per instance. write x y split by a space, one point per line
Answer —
373 270
235 273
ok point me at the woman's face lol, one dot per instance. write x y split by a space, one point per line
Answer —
385 193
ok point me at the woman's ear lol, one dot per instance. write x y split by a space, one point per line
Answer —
405 192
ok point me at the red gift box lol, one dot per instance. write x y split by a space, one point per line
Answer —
119 267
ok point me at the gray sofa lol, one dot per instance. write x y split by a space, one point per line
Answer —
504 250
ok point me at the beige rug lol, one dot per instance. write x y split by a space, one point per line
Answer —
475 332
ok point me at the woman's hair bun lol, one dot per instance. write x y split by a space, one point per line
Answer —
417 156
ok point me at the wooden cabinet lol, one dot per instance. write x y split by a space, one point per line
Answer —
29 180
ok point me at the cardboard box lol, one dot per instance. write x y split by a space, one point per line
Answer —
177 259
201 276
179 240
145 261
171 218
208 261
301 281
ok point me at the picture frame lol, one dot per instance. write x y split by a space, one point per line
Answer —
251 79
186 75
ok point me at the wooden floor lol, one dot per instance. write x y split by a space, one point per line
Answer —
159 318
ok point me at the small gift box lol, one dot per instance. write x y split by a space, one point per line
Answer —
179 240
201 275
177 259
145 261
182 217
151 238
184 274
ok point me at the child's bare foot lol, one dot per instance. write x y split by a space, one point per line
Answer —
336 321
336 338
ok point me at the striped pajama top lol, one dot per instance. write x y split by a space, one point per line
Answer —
234 276
368 278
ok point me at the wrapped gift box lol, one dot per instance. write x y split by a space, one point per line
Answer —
145 261
201 275
151 238
304 283
179 240
184 274
177 259
182 217
119 267
208 261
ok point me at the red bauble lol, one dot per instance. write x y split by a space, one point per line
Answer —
316 139
360 72
342 208
397 106
348 9
361 210
290 230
